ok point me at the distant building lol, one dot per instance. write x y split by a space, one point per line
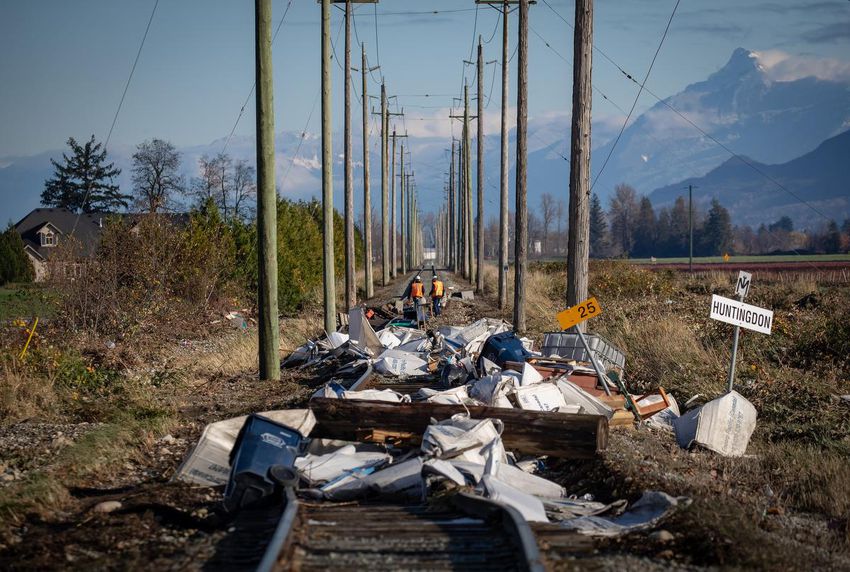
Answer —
44 230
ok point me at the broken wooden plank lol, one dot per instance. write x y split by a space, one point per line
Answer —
561 435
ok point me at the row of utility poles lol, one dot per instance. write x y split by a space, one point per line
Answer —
454 223
411 236
462 247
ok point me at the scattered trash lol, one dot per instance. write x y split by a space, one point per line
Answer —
723 425
647 512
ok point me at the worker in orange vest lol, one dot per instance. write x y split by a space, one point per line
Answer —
437 291
417 296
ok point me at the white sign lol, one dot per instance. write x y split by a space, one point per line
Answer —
742 286
741 314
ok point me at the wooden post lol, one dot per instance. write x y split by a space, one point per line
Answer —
479 222
350 280
579 216
327 175
452 214
521 240
467 183
393 213
403 191
503 179
367 198
269 326
385 226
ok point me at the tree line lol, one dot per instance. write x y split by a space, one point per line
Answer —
84 181
632 227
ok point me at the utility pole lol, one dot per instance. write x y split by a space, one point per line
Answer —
367 198
579 211
467 169
691 229
327 175
385 228
521 240
503 179
452 214
403 215
393 241
350 280
269 343
479 223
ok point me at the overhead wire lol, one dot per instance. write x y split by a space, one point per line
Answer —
637 97
120 105
254 85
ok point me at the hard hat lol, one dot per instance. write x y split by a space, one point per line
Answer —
434 279
419 278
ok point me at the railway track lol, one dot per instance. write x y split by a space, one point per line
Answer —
465 533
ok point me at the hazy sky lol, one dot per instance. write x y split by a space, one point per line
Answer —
64 64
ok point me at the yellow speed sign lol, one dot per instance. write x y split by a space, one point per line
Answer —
579 313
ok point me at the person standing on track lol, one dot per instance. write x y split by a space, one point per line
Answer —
437 291
417 296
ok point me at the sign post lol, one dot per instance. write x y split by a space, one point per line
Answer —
740 315
575 315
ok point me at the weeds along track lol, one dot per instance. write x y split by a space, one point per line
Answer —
466 533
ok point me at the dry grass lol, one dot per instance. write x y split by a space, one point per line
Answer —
24 394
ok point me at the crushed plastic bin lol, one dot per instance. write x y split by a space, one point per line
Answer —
568 345
503 347
263 456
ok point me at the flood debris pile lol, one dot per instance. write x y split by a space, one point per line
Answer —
408 414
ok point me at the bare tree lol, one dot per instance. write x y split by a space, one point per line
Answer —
549 210
156 177
205 185
244 187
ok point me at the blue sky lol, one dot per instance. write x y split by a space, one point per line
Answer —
64 64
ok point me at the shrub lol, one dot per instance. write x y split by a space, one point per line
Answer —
14 263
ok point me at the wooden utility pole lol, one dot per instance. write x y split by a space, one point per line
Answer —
403 215
479 222
350 281
503 179
579 216
452 214
521 241
327 175
269 334
467 170
385 227
367 198
393 212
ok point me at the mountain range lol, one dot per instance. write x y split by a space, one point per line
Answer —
777 123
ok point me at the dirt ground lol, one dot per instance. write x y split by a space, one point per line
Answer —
163 525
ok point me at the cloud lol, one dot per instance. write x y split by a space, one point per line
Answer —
781 66
835 32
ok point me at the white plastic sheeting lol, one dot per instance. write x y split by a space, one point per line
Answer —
529 506
401 363
362 334
590 404
542 397
723 425
665 418
336 339
530 375
209 462
317 469
473 336
465 439
493 390
336 391
647 512
453 396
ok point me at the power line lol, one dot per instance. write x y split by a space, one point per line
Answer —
637 97
120 104
254 85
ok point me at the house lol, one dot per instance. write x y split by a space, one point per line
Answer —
44 230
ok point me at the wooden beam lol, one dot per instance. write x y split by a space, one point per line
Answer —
561 435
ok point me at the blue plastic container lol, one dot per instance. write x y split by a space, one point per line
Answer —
504 347
261 445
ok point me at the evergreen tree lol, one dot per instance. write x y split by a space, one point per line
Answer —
598 229
785 223
645 230
82 183
716 235
624 210
662 233
831 242
679 233
14 263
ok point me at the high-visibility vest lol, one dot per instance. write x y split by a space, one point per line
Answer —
417 290
438 289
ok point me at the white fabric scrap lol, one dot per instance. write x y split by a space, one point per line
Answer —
590 404
401 364
529 506
465 439
541 397
317 469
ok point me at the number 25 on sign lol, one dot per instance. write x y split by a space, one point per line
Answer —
579 313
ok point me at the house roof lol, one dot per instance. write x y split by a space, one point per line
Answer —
87 230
